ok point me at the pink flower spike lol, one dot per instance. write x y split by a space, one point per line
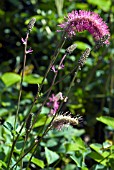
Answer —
23 41
53 69
78 21
29 51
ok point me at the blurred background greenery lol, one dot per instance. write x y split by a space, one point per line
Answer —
93 93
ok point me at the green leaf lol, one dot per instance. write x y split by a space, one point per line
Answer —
79 144
102 4
3 112
102 158
41 120
10 78
109 121
2 164
97 147
33 79
51 156
8 126
78 159
82 45
98 167
38 162
96 156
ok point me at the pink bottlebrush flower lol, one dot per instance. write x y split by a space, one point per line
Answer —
78 21
29 51
53 102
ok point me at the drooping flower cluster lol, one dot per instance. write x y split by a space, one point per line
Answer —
78 21
61 121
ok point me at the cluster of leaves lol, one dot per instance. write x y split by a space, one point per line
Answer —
89 146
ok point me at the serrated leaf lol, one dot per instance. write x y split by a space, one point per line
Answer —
109 121
10 78
51 156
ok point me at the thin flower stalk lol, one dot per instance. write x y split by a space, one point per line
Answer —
19 98
25 41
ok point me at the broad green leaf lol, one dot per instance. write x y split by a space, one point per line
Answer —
79 144
51 156
33 79
97 147
78 160
109 121
96 156
102 158
3 112
42 119
10 78
82 45
38 162
102 4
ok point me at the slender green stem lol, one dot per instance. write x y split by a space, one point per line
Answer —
60 45
72 82
22 76
22 151
19 98
55 56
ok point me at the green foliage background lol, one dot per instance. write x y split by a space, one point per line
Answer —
89 146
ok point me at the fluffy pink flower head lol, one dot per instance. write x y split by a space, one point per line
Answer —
78 21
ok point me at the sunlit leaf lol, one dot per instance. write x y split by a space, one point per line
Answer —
96 146
79 144
38 162
10 78
33 79
109 121
81 45
103 4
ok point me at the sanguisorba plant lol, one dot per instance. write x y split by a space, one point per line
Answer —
76 21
